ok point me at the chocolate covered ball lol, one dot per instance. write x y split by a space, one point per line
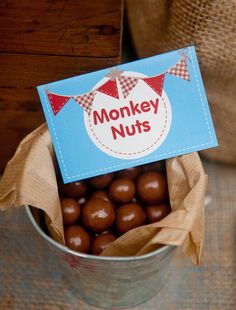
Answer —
129 216
98 214
70 211
156 213
105 232
101 181
152 187
75 190
158 166
122 190
100 194
77 238
82 200
130 173
100 242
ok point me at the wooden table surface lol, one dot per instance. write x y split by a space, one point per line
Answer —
30 280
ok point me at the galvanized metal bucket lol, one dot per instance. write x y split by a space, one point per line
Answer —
111 281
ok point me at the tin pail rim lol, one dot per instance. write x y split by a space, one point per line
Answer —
63 248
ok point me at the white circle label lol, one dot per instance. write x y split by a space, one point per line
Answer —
130 127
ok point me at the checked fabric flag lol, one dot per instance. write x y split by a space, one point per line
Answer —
85 101
180 69
127 84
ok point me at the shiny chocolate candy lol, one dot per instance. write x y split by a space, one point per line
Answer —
156 213
102 194
100 242
98 215
74 190
70 211
130 173
110 205
158 166
122 190
101 181
77 238
152 187
129 216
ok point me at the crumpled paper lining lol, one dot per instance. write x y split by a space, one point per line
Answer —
30 179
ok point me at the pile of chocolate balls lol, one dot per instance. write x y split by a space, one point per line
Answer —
98 210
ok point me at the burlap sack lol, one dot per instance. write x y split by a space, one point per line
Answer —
160 26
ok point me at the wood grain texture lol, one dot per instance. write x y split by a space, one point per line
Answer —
20 109
32 280
61 27
45 41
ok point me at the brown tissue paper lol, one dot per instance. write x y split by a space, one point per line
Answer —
30 179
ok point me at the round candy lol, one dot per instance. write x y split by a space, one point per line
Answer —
152 187
130 173
122 190
156 166
77 238
100 194
100 242
82 201
157 212
134 200
98 214
75 190
129 216
70 211
101 181
105 232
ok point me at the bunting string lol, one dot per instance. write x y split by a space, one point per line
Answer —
127 84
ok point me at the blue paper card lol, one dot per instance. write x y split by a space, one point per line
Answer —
136 113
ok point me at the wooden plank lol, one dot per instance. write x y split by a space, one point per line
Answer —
62 27
20 74
44 41
20 109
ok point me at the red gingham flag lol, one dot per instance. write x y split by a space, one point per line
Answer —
127 83
180 69
85 101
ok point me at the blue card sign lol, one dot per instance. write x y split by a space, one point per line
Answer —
139 112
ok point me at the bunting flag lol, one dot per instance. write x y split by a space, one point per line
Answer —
109 88
57 101
127 84
86 101
180 69
156 83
